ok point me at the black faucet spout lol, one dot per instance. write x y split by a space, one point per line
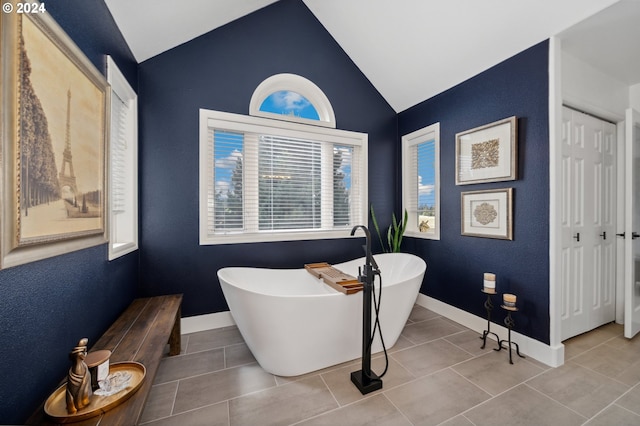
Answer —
369 256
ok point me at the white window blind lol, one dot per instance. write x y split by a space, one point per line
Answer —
421 182
123 165
265 180
119 113
290 183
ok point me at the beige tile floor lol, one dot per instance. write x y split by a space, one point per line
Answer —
437 375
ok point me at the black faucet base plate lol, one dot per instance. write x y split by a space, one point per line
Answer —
366 384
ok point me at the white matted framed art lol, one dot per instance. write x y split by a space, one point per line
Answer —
488 153
487 213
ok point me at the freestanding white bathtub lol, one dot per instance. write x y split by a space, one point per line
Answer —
294 323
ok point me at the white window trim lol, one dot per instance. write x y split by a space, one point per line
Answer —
299 85
216 119
408 141
120 85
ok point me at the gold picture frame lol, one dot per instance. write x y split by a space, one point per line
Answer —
54 128
487 213
488 153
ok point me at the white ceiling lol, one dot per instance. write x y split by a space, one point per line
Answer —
609 40
411 50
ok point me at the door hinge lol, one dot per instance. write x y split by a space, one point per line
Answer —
621 235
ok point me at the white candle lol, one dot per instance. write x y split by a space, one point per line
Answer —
489 281
509 300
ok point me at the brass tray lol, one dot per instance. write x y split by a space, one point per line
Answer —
56 404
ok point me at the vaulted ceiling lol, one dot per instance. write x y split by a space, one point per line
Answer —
411 50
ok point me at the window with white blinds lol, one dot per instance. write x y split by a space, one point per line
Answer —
123 165
267 180
119 115
421 182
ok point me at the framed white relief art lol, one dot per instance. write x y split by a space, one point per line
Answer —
487 213
487 153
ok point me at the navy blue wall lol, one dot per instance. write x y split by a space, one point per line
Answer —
517 86
47 306
219 71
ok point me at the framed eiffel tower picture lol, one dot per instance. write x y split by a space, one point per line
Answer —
55 128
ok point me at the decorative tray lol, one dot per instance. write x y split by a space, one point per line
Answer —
334 277
56 404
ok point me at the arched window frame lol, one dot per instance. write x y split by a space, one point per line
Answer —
300 85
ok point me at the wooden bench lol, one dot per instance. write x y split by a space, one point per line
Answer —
140 334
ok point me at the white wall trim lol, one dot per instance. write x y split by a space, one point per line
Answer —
555 194
206 322
620 212
634 97
552 356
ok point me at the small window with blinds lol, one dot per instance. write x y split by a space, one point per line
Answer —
266 180
123 165
421 182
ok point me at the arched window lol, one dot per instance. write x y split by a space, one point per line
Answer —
288 174
293 98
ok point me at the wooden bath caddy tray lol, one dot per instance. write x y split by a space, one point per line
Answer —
334 277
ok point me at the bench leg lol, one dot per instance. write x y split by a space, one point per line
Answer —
174 339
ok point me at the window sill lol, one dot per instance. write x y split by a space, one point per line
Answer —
117 250
272 237
422 235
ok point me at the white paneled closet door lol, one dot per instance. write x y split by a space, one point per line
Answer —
588 222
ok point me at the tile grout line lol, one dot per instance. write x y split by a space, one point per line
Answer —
402 413
330 391
615 401
491 396
175 396
586 419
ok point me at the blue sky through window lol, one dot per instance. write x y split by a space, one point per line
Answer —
426 174
345 166
287 102
228 150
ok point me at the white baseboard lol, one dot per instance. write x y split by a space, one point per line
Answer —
551 356
206 322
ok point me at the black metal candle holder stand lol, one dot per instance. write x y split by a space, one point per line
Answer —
510 323
488 305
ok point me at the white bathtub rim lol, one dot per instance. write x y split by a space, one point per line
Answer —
329 291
